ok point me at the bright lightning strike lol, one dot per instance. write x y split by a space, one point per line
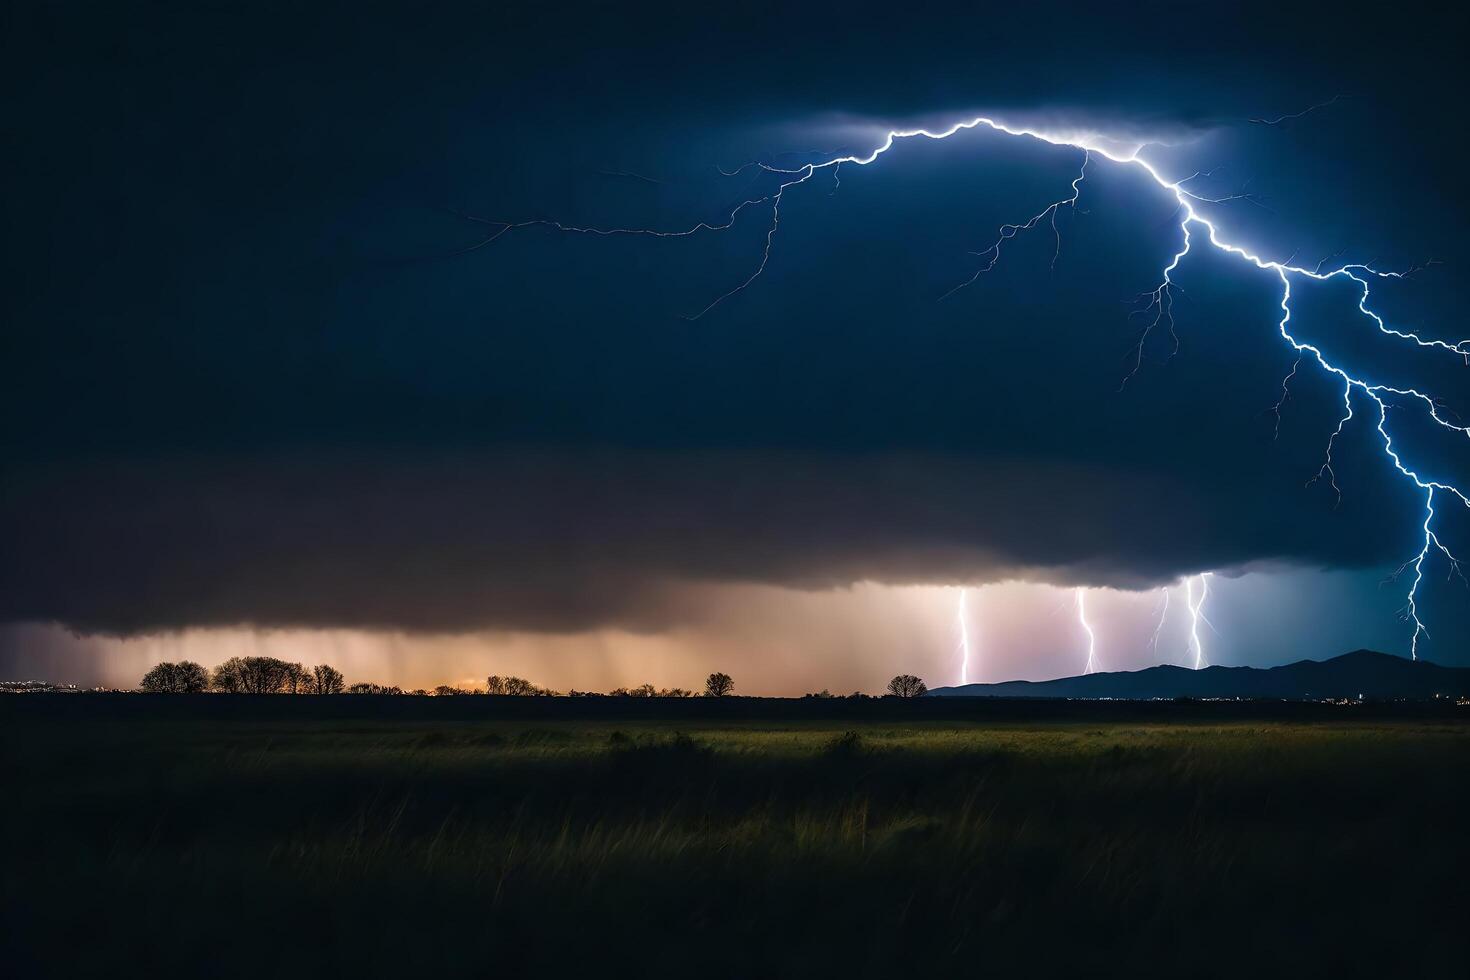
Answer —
962 617
1160 300
1087 628
1196 603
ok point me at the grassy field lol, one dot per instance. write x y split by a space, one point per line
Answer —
298 846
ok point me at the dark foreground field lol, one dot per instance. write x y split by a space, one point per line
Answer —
297 838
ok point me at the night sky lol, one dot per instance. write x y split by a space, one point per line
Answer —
266 385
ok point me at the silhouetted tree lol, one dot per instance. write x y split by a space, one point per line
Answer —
649 691
184 677
517 687
228 677
257 675
717 685
907 686
326 680
449 691
364 688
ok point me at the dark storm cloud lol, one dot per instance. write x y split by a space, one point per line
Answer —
576 540
248 378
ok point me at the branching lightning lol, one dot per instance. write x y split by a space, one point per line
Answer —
1007 232
1195 227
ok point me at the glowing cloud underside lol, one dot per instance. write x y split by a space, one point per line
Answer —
1157 304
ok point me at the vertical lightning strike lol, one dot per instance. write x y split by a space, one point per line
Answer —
1196 614
1159 626
962 617
1326 467
1159 300
1091 667
1285 394
1412 608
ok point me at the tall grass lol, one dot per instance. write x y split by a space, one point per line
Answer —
478 849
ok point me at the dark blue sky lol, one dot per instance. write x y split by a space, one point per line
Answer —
251 377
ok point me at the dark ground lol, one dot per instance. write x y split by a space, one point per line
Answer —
284 836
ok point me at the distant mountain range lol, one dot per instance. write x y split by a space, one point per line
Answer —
1362 673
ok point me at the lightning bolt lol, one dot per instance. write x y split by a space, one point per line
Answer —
1087 628
1285 394
1278 120
1196 605
1048 213
962 617
1194 225
1159 627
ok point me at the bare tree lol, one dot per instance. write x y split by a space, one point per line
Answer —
513 686
907 686
257 675
184 677
228 677
520 687
363 687
326 680
717 685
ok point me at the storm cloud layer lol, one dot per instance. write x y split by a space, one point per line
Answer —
573 541
262 366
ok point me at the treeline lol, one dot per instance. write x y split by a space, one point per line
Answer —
267 675
243 675
717 685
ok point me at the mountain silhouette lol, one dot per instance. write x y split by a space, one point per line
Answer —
1362 673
